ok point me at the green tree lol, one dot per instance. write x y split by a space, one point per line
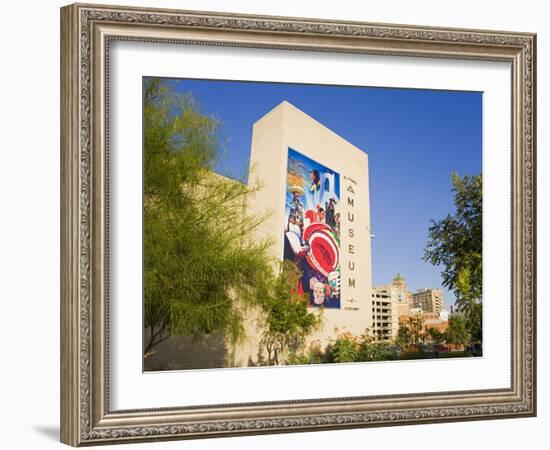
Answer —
416 325
287 319
455 244
411 332
457 333
436 336
403 337
314 354
347 347
201 268
344 348
474 315
377 351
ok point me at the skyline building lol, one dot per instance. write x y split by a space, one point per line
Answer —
430 300
394 304
385 320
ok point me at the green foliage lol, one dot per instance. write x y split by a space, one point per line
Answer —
457 333
201 268
436 336
312 355
455 243
377 351
434 355
287 320
474 317
403 337
416 324
410 333
345 348
351 348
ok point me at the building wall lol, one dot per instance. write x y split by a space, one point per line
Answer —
184 352
403 309
287 127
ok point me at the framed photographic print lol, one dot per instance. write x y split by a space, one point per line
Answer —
276 224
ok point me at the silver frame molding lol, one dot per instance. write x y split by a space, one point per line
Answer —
86 32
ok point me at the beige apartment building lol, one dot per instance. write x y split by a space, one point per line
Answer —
385 317
430 300
390 302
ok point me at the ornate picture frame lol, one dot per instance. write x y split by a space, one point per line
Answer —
87 31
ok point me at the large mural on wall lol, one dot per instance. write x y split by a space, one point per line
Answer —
312 228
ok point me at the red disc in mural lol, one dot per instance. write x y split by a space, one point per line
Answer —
323 253
315 227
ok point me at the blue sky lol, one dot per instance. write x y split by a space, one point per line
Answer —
414 138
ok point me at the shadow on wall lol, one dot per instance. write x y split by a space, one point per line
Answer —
182 352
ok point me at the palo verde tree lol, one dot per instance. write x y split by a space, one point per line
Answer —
455 244
201 268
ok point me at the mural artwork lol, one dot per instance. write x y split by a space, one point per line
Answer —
312 228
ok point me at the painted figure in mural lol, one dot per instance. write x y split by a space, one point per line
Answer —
315 181
330 218
296 215
320 214
334 284
319 293
337 224
295 249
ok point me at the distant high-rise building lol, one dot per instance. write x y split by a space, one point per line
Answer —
430 300
390 302
385 315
